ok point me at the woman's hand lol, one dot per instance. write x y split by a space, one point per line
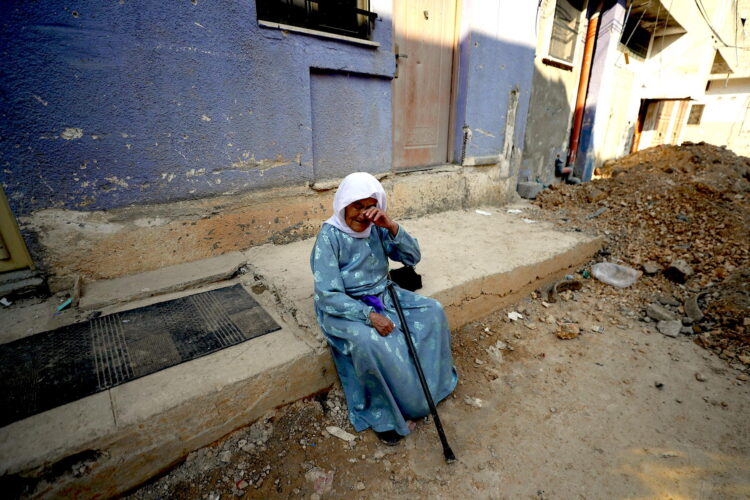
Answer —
380 218
383 325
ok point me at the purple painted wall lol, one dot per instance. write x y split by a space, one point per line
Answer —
106 104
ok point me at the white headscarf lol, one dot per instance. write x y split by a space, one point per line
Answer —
354 187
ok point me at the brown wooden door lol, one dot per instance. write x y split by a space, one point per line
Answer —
424 38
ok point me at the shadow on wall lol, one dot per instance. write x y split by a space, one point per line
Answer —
548 129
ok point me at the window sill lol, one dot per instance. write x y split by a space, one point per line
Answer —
320 34
556 63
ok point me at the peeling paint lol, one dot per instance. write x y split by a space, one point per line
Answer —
71 133
40 100
118 181
193 172
261 165
484 132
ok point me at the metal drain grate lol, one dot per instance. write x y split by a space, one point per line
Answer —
50 369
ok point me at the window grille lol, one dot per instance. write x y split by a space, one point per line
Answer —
565 29
342 17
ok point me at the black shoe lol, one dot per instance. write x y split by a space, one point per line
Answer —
389 438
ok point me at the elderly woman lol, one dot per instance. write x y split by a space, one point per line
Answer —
350 267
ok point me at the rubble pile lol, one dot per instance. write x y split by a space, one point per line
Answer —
681 214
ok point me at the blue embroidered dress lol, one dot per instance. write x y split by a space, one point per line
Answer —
378 376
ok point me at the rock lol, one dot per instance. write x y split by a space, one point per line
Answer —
515 316
360 486
669 328
679 271
242 484
474 402
700 377
686 330
568 331
650 268
593 195
340 433
225 456
659 385
659 313
744 377
692 310
744 359
597 329
668 300
529 190
322 481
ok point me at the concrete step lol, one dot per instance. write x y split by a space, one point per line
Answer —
169 279
21 283
112 441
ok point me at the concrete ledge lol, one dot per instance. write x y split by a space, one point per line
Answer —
115 440
473 264
161 281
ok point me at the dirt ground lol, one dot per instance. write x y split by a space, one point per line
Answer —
619 411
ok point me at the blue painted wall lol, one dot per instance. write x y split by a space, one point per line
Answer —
107 104
497 56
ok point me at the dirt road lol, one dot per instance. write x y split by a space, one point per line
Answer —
616 414
620 411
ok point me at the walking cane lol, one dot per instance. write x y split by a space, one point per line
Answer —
447 452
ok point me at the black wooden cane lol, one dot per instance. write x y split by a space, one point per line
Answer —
447 452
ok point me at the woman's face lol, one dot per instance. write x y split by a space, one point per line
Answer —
354 214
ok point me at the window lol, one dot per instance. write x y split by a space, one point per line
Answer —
696 112
343 17
635 37
562 44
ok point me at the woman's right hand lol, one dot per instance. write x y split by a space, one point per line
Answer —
383 325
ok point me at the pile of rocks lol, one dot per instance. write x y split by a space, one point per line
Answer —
681 214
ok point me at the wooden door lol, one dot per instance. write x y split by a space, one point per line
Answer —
13 252
424 41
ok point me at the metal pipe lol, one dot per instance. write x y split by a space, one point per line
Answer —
583 82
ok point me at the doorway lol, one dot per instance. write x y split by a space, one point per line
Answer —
424 41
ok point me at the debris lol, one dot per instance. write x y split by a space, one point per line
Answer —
360 486
678 271
5 302
65 304
568 331
597 213
615 274
692 309
322 480
597 329
658 385
659 313
545 304
529 221
474 402
340 433
669 328
700 377
478 362
482 212
76 296
651 268
515 211
515 316
242 484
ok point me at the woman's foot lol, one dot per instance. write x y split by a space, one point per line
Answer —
389 438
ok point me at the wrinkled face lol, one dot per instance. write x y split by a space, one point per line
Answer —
354 214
